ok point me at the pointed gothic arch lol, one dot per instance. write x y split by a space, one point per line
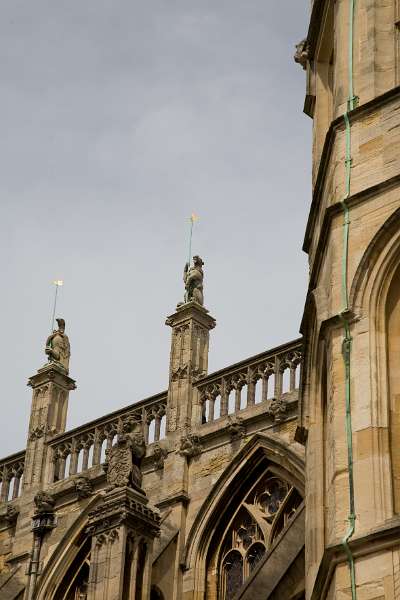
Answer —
374 298
70 553
263 456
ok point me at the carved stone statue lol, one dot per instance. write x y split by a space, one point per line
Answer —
301 54
11 515
83 487
190 446
236 427
57 346
193 278
277 410
44 502
122 466
159 456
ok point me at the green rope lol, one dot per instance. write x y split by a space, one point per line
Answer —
351 104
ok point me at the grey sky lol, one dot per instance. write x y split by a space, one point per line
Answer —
120 118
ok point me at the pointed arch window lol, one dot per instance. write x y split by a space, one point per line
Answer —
74 585
259 519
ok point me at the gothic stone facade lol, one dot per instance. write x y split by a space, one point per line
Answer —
196 492
244 483
350 390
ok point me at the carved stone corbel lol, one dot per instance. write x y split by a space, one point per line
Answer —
44 517
11 515
44 502
83 487
190 446
236 427
278 410
159 456
301 54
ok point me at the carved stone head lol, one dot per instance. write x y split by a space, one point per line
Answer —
301 54
61 325
138 446
198 262
159 455
44 502
83 487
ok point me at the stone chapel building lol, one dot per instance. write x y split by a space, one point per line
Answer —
274 478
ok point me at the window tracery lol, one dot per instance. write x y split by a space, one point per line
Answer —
257 522
74 585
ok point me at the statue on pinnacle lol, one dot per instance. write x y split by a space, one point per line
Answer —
193 278
57 346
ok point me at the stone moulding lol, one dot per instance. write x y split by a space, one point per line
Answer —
254 420
55 374
124 506
386 537
181 497
358 112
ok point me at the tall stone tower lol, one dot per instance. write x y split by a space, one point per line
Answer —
351 382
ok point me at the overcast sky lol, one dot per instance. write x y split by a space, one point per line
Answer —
118 120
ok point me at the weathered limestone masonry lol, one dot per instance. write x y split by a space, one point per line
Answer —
351 320
199 491
194 493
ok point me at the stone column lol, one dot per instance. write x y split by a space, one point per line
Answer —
190 325
43 521
123 528
51 386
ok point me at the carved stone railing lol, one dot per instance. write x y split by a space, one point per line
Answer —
11 472
271 379
79 449
264 378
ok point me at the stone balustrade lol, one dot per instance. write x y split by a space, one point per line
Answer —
265 378
11 472
79 449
